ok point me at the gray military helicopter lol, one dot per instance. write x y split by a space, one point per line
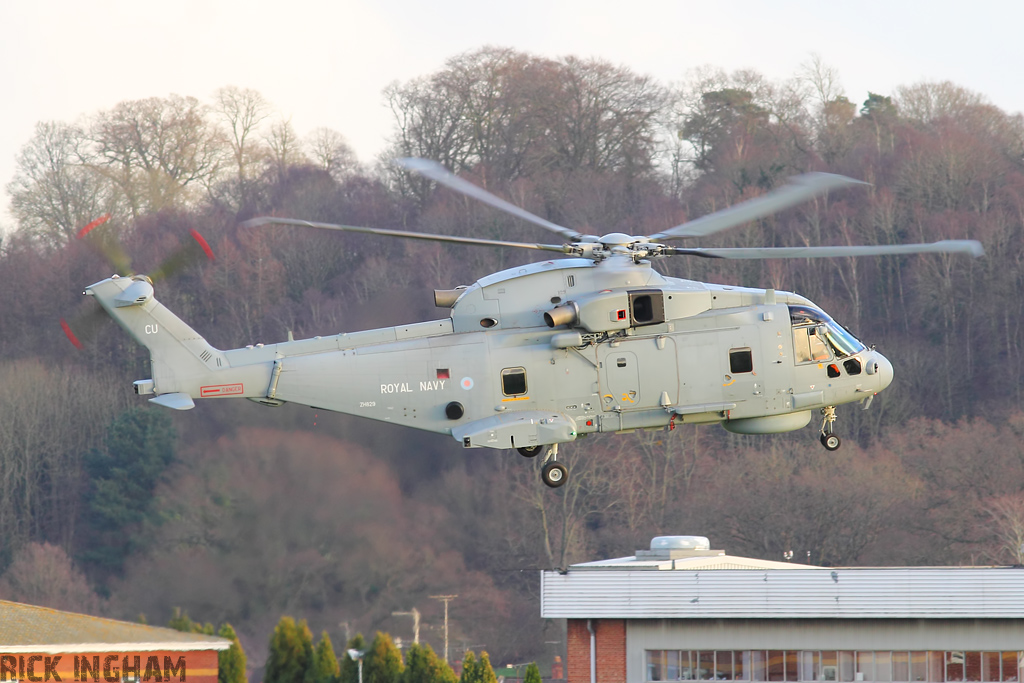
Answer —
541 354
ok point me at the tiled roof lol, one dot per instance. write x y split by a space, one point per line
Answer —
27 628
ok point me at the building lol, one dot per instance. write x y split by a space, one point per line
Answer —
41 644
681 611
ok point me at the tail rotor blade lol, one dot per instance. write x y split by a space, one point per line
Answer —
84 327
106 245
186 254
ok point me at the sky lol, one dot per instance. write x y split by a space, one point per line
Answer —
325 64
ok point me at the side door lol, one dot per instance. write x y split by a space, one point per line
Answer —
742 380
638 374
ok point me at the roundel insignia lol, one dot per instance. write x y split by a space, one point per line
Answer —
467 383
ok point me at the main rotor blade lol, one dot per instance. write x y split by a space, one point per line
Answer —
798 189
972 247
439 174
266 220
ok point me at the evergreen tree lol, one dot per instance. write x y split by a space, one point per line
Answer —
180 621
325 667
291 652
139 446
532 674
469 674
383 661
230 662
484 670
422 665
349 666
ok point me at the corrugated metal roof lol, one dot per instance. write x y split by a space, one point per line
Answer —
702 562
27 628
932 592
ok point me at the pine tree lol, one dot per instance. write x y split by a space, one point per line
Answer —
291 652
139 447
532 674
325 667
469 674
180 621
230 662
383 661
484 670
422 665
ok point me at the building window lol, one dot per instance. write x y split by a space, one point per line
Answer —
869 666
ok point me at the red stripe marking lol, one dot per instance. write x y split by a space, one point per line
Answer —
202 243
71 335
221 390
96 223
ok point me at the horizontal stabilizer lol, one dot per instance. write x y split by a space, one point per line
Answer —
174 401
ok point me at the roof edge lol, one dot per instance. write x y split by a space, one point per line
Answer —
79 648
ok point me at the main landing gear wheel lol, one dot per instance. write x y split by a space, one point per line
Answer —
831 442
529 451
554 474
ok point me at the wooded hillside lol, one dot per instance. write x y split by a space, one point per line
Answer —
240 513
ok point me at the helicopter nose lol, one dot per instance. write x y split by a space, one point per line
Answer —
884 371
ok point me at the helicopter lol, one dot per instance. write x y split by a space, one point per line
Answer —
541 354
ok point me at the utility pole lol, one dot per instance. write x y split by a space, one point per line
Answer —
415 614
445 599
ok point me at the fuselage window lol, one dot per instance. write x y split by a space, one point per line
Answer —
810 345
513 381
741 360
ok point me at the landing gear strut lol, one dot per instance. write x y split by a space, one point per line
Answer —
553 473
829 439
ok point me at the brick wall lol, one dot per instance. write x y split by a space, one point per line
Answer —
611 650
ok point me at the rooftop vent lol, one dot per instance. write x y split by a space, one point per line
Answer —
680 543
675 547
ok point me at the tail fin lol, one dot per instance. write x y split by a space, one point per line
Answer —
182 361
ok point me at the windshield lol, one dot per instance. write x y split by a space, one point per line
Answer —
842 342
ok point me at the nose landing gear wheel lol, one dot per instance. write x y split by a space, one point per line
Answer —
554 474
828 439
831 442
529 451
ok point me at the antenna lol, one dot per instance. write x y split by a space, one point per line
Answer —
445 599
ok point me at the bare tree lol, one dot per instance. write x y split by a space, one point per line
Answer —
330 151
54 193
285 149
1007 522
43 574
243 110
158 151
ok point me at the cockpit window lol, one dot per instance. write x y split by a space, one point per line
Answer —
809 346
842 341
816 336
804 315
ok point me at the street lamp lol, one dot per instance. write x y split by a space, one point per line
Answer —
358 656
